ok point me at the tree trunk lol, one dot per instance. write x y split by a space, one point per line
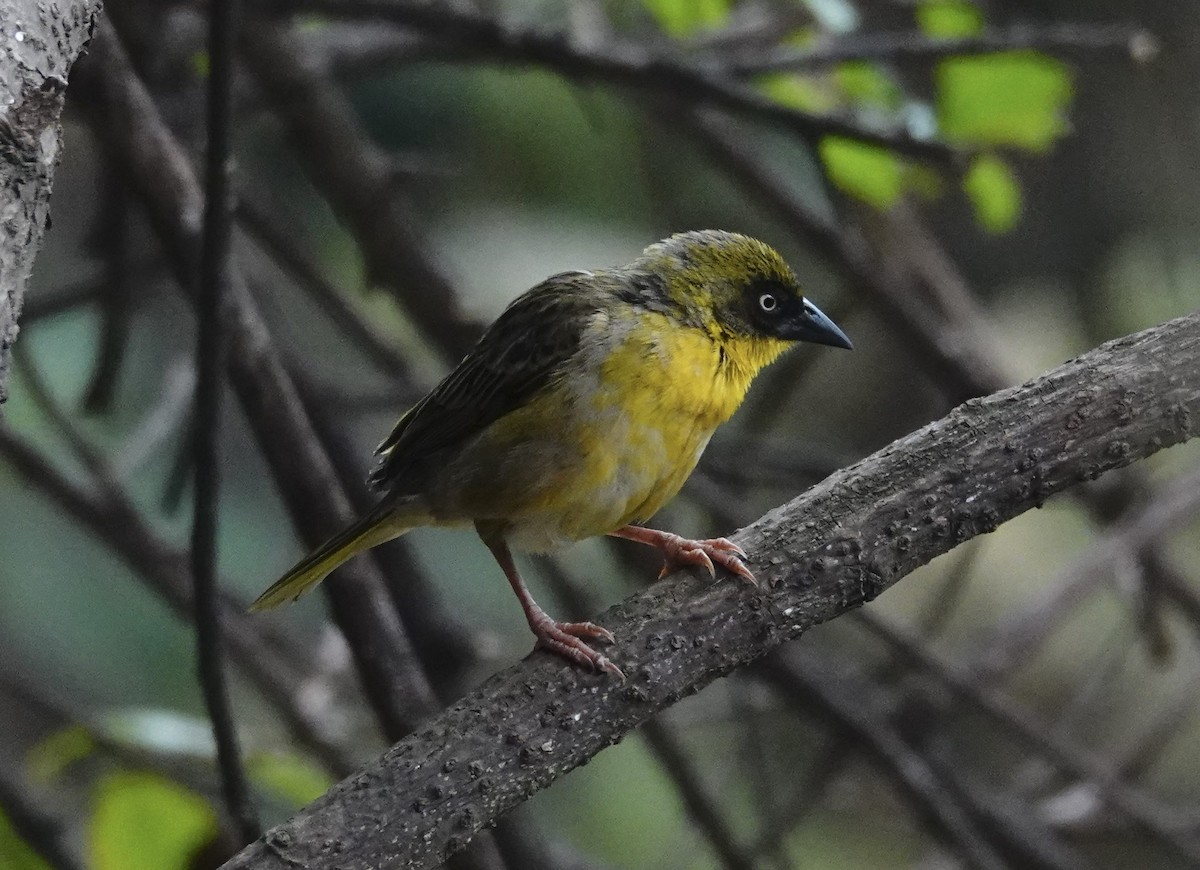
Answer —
39 41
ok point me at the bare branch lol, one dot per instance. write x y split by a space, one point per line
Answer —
1060 37
212 288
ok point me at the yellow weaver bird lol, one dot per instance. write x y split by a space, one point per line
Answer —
581 411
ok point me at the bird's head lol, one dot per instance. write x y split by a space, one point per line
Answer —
735 288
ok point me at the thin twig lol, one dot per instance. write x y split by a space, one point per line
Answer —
168 418
116 311
759 765
48 302
829 760
983 827
1060 37
1022 835
210 363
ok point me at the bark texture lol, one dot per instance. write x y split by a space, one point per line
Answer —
39 41
833 548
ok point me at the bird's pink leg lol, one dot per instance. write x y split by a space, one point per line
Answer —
562 638
682 552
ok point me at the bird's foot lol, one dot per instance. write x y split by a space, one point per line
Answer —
680 552
707 553
564 639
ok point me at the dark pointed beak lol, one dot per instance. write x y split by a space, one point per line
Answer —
813 326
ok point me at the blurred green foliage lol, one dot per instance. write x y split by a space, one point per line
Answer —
869 172
15 854
144 820
683 19
949 18
1018 99
994 192
292 779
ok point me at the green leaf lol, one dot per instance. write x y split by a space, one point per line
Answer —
290 777
15 853
868 172
867 84
1016 98
948 19
798 92
994 192
51 756
144 821
681 18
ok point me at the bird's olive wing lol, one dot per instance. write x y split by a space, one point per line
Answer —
517 355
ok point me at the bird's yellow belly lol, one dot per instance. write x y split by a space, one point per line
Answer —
636 424
619 481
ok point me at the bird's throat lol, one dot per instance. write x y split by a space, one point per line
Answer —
743 357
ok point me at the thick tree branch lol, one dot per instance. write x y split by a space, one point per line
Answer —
835 547
38 44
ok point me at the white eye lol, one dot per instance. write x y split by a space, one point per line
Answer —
767 302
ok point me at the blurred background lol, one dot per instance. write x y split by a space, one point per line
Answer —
1028 700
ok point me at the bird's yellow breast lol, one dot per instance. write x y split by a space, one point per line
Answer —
616 434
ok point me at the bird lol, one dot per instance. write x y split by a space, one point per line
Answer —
581 411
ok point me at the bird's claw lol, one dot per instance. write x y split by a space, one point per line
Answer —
586 629
564 639
707 553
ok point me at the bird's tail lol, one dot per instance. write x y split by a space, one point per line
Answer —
375 528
